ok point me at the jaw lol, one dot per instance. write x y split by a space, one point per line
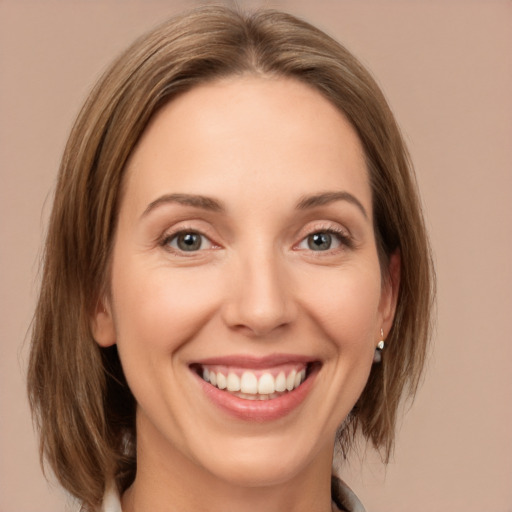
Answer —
257 478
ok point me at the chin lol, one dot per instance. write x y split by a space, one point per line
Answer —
265 459
259 468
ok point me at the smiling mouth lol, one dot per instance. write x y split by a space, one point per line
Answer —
256 384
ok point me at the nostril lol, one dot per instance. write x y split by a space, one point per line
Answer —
259 329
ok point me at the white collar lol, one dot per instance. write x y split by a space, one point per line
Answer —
111 501
342 495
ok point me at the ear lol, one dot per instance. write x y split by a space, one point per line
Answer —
389 296
102 324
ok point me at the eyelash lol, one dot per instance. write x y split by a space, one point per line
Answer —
343 237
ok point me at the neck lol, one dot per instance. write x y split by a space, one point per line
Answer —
168 481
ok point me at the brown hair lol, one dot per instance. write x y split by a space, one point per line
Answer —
80 400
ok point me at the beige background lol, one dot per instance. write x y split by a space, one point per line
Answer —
446 68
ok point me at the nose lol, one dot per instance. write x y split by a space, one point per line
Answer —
260 301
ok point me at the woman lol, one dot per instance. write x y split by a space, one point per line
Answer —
236 276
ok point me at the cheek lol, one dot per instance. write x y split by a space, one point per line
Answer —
157 310
345 303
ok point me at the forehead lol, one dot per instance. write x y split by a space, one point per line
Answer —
245 133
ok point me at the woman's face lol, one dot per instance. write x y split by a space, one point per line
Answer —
245 255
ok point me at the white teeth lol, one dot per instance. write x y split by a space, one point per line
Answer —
221 381
290 380
280 382
233 382
249 383
250 387
297 379
266 384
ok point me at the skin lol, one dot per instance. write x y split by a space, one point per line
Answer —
258 146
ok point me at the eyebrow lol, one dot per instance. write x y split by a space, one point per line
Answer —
210 204
329 197
197 201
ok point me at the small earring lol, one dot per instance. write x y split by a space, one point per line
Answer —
377 356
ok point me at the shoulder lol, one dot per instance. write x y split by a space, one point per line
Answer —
343 497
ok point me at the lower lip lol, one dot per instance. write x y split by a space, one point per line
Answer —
257 410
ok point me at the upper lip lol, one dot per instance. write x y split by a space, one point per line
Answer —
255 362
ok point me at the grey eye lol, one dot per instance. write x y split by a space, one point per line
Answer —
320 241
